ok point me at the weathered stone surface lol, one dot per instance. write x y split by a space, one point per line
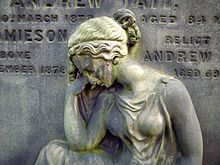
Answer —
180 38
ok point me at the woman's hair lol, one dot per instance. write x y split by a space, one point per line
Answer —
91 37
127 20
101 28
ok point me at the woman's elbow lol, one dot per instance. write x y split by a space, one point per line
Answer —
193 157
189 160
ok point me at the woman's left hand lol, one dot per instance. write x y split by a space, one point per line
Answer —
77 86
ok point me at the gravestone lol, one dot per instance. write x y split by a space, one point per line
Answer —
179 37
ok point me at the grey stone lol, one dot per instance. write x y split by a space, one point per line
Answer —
178 38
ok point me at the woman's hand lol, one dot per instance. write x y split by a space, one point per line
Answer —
77 86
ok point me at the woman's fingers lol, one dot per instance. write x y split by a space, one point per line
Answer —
77 86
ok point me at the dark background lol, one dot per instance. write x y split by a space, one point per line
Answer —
31 106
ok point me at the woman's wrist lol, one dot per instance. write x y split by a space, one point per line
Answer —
77 86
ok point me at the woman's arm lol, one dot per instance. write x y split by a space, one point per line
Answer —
80 136
185 123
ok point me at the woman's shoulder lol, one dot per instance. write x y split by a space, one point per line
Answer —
166 83
158 78
170 81
172 85
174 91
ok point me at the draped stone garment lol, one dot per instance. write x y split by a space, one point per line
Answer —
143 124
133 146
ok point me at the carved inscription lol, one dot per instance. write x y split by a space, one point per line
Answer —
147 3
18 69
33 35
56 3
20 62
24 69
43 18
31 69
178 56
178 48
196 73
216 19
159 19
186 50
10 55
188 41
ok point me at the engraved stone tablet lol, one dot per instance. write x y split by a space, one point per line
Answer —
56 53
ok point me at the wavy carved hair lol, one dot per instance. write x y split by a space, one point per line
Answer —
88 37
122 29
101 28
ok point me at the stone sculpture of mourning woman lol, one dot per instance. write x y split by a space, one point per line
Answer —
118 112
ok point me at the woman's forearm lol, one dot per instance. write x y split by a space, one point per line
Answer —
80 135
74 125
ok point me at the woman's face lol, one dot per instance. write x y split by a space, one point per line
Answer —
100 72
100 69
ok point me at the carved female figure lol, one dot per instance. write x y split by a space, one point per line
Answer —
150 113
